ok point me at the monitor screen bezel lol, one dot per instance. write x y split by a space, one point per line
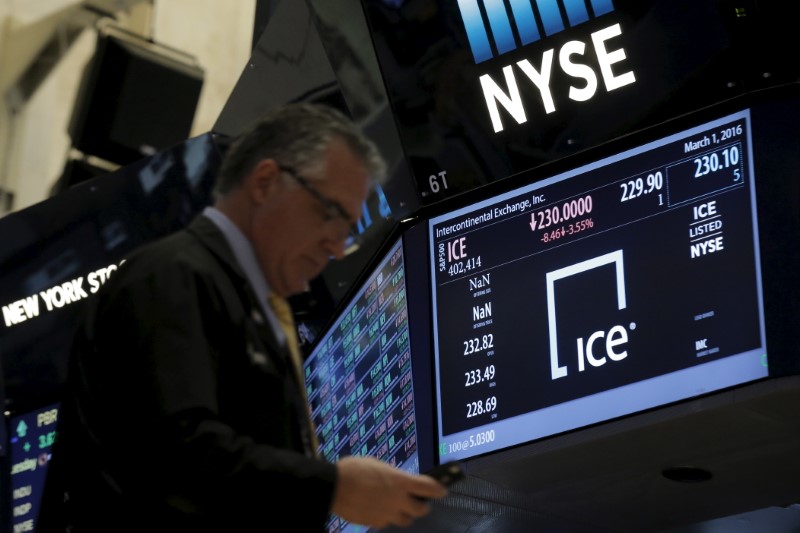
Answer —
776 261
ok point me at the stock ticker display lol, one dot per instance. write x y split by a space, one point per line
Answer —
358 377
32 436
612 288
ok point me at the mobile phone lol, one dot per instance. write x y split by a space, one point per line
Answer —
447 473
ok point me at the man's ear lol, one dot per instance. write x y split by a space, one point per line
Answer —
264 180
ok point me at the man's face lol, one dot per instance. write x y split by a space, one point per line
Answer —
297 235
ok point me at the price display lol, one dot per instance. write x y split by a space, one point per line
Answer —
359 376
611 288
32 437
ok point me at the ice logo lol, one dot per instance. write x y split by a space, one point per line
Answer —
613 342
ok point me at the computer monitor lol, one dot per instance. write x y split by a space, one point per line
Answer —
625 283
359 374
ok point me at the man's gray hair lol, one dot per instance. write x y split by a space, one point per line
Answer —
296 136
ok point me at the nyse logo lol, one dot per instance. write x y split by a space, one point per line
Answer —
611 343
549 15
584 64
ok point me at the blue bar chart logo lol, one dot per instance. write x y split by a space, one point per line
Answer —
548 12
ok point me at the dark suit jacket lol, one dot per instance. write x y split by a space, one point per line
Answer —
181 412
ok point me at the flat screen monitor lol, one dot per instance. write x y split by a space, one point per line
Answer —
359 374
607 289
59 252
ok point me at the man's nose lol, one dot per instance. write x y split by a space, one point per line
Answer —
334 248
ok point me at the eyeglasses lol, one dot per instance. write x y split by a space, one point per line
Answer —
336 217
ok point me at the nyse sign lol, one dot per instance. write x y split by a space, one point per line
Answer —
540 79
532 78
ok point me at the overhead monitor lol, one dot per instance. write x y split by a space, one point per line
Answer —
614 287
59 253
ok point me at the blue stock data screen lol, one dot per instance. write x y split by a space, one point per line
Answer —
359 376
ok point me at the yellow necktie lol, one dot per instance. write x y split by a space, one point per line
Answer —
284 314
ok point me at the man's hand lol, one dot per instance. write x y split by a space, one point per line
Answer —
375 494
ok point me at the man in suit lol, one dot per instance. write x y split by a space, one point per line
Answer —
184 410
